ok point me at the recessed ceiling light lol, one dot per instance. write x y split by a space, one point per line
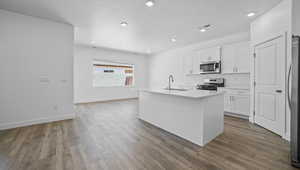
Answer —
124 24
202 29
149 3
251 14
93 44
173 39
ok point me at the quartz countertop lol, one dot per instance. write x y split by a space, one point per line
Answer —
192 93
235 88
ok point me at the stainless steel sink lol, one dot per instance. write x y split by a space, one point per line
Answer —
176 89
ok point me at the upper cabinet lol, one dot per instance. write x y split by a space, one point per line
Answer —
243 55
188 67
209 54
236 58
228 59
204 55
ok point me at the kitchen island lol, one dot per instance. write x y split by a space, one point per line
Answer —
195 115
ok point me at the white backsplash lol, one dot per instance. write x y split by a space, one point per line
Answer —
231 80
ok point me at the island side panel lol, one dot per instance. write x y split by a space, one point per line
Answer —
181 116
214 117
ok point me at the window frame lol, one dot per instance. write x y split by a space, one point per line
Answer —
116 64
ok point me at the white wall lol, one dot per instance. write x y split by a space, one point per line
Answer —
277 21
296 17
171 62
35 70
83 74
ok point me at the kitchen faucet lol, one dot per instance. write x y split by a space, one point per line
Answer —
170 77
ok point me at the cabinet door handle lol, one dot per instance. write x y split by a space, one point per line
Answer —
278 91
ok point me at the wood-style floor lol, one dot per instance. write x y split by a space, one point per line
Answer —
109 136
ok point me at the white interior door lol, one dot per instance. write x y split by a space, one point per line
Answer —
270 85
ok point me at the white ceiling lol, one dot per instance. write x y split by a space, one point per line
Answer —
149 29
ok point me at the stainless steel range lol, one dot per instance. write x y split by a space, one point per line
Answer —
211 84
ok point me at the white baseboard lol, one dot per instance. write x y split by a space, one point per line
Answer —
106 100
287 137
12 125
236 115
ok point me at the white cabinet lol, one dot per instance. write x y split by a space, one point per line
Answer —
209 54
243 57
227 102
228 59
200 56
237 101
241 104
236 58
188 65
196 64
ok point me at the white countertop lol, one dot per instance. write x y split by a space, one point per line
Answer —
235 88
189 93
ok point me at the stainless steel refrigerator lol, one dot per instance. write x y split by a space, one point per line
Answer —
294 102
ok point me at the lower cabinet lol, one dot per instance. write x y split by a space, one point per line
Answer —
242 105
237 102
227 103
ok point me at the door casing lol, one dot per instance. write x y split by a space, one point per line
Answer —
283 117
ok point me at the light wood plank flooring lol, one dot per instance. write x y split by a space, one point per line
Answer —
109 136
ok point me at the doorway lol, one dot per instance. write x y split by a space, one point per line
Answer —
269 84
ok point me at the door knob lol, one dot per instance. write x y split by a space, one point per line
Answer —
278 91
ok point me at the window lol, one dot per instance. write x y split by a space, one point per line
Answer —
110 74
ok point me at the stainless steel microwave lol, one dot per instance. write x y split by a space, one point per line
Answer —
210 67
